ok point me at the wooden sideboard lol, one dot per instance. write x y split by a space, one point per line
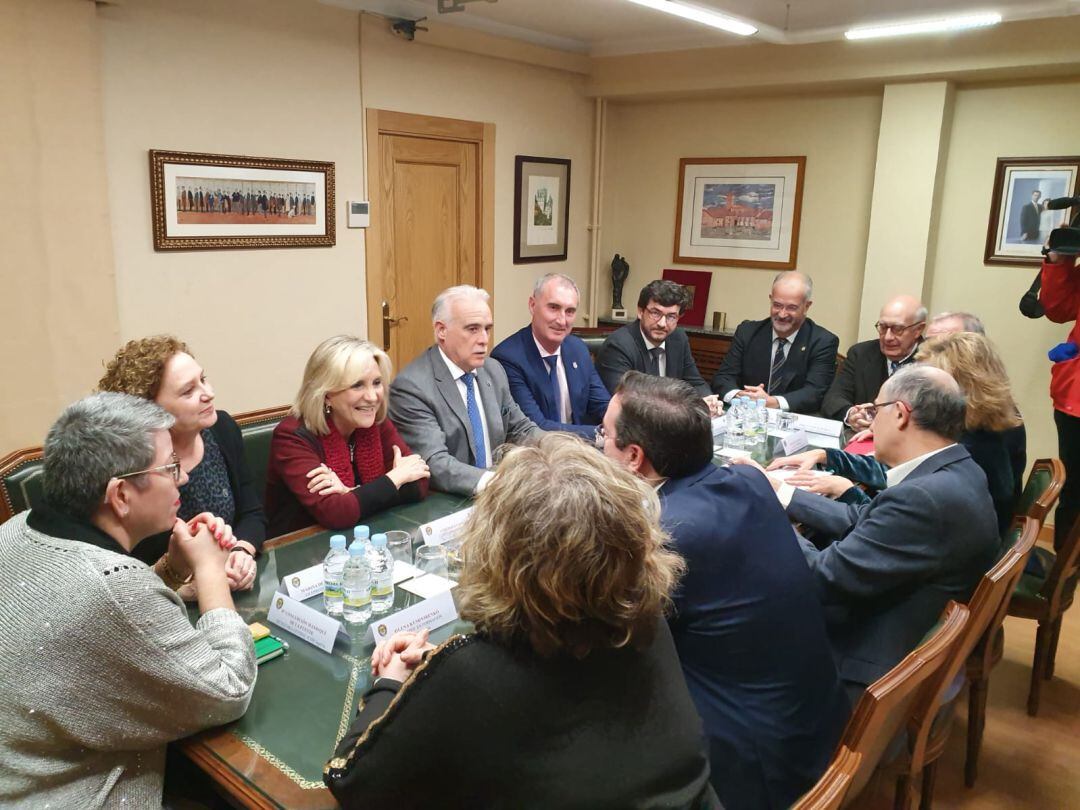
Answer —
707 345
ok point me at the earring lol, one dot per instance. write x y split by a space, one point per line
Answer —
326 408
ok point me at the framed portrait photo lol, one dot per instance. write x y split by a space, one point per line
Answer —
541 208
206 202
1019 219
739 211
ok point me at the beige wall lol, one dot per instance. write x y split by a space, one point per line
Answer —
836 133
991 122
57 303
536 111
271 78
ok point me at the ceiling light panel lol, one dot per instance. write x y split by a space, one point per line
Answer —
700 15
958 23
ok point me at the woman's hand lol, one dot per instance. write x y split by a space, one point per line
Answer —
831 486
407 468
325 481
219 529
800 461
399 655
193 548
240 568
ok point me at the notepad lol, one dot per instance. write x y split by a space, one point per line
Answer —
268 648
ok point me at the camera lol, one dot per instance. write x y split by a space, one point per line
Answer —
1064 241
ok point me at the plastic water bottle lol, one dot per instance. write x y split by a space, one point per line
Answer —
357 581
361 534
760 421
333 567
381 565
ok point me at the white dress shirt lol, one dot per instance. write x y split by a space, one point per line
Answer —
457 374
662 358
560 371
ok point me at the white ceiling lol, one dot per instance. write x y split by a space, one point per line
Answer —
608 27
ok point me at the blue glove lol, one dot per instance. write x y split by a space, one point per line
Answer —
1063 351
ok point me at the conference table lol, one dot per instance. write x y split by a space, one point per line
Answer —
304 701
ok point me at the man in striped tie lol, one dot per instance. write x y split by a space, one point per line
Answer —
452 404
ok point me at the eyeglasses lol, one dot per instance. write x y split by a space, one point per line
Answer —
872 409
172 468
657 315
896 329
787 309
599 437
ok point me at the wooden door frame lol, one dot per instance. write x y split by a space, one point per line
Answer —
388 122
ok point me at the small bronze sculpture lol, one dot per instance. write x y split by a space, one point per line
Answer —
620 269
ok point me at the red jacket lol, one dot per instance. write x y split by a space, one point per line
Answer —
1060 297
295 451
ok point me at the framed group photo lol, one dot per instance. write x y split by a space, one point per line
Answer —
203 201
541 208
1019 219
739 211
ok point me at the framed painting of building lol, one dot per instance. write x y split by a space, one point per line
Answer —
203 201
740 212
541 208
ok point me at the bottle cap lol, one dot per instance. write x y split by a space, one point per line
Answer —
361 532
378 540
337 541
356 548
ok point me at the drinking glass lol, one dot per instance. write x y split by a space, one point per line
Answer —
400 545
432 560
453 561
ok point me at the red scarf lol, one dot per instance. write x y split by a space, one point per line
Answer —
365 445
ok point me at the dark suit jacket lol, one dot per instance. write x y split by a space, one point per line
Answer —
751 638
426 407
625 350
864 370
1030 219
899 559
531 388
803 379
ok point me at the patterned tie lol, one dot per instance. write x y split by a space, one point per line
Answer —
654 361
475 420
777 362
551 362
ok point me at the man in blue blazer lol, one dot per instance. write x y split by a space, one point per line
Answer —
748 627
785 359
551 375
925 539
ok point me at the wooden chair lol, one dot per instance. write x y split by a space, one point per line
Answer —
1041 491
887 704
832 787
1045 599
928 730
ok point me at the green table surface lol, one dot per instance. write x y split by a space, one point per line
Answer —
305 700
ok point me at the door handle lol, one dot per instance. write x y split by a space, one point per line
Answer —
387 322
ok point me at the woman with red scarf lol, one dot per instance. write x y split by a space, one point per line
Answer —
336 457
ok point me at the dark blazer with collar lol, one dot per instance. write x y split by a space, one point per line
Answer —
530 385
803 379
899 559
625 350
751 638
858 381
427 409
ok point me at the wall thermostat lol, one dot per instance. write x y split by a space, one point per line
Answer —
359 214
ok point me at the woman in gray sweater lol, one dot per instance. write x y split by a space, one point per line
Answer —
100 666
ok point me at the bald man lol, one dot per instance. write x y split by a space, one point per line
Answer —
869 364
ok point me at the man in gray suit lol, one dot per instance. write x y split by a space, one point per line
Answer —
452 404
925 539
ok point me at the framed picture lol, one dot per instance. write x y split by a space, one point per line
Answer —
697 283
739 211
541 208
1019 219
204 201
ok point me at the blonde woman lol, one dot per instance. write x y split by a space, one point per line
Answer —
336 457
569 693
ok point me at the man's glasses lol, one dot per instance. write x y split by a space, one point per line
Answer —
599 437
896 329
172 468
657 315
872 409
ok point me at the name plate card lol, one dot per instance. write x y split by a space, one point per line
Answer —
431 613
303 584
820 425
445 529
795 442
309 624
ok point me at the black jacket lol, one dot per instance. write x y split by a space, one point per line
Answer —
802 380
858 381
625 350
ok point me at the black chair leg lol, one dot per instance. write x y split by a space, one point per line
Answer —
929 774
902 801
1038 667
1052 654
977 692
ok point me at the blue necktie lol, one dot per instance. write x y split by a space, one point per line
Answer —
551 362
475 420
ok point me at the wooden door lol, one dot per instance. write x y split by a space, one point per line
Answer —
428 228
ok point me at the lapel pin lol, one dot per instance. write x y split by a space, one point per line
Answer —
575 364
